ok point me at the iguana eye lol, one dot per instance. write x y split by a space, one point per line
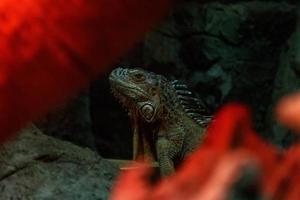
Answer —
139 77
153 91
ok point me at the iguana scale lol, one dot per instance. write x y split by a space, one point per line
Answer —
168 122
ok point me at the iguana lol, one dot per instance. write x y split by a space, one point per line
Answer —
168 122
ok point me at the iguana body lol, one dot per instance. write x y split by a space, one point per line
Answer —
168 123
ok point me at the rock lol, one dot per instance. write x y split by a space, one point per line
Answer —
36 166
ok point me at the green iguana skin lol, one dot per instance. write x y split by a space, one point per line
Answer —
168 122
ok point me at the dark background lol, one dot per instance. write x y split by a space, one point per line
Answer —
244 51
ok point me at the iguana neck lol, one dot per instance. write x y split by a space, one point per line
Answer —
171 108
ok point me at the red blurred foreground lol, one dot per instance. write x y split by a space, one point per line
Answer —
52 48
288 111
231 150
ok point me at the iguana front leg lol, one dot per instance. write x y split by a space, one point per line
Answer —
166 151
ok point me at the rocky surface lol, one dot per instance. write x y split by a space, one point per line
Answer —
225 52
36 166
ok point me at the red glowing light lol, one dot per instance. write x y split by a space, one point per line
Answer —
287 111
51 49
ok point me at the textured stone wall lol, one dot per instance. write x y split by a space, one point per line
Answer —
36 166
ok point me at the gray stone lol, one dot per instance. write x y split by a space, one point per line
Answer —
36 166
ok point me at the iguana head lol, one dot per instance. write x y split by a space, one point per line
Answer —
138 90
